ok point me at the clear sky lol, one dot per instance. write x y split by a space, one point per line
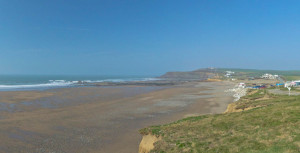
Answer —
146 37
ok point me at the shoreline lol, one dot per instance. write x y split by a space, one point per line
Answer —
148 140
247 123
104 118
45 87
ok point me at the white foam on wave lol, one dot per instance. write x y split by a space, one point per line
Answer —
52 83
64 83
150 79
121 80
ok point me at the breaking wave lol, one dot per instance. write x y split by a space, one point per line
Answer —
52 83
64 83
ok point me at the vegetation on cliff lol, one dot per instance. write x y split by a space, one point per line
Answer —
258 122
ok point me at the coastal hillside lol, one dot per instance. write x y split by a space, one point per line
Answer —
246 73
206 73
258 122
201 74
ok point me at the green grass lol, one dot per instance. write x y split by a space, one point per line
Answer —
271 127
292 77
292 89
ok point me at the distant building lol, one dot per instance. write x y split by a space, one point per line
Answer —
292 83
242 85
251 78
228 74
269 76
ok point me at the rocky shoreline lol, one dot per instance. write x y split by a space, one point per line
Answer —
238 92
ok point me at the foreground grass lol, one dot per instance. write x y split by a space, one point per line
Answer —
273 125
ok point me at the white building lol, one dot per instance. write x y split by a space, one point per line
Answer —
269 76
242 85
228 74
292 83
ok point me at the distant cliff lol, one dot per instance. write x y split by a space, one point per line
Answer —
201 74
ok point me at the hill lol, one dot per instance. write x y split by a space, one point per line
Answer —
206 73
201 74
258 122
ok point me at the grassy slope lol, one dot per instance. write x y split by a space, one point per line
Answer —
292 77
273 126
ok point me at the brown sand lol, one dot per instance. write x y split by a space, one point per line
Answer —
147 143
99 119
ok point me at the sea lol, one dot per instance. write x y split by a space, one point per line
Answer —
42 82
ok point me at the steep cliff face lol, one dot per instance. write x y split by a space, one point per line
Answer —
232 108
147 143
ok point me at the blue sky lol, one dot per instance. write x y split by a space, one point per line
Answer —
143 37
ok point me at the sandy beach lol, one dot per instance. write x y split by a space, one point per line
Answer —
101 118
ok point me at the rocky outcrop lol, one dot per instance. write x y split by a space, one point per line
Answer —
147 143
238 92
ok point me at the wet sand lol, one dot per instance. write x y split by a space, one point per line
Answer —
100 119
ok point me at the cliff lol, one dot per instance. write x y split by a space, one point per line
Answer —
258 122
147 143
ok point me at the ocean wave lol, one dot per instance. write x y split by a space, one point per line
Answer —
120 80
64 83
52 83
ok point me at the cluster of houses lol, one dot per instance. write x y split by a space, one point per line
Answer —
265 76
243 85
269 76
228 74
